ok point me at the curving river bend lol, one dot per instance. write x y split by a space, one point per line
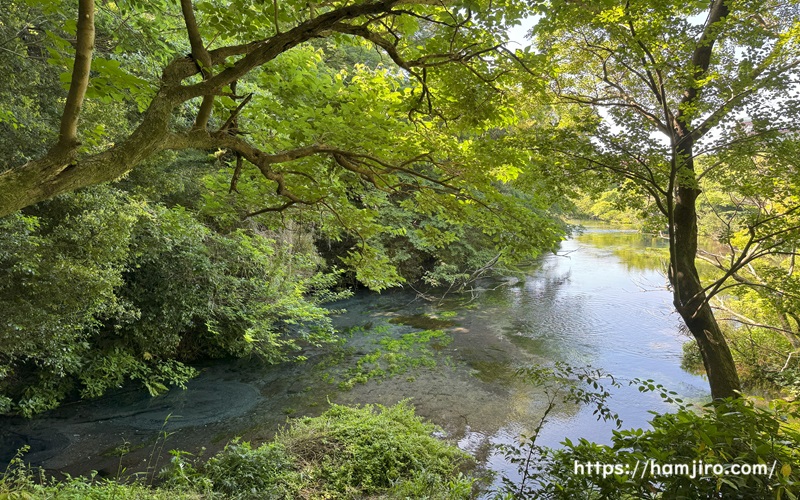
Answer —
601 301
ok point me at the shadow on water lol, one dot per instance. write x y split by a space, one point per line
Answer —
601 301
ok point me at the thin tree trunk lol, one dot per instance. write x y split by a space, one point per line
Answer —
688 295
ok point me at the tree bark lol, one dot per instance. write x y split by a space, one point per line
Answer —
203 60
81 68
689 296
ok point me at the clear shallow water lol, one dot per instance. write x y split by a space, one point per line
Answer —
601 301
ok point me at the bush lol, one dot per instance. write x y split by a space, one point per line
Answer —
20 481
99 287
344 453
729 434
375 452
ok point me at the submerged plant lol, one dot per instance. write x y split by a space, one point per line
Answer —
386 354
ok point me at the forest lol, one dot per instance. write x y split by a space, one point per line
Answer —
188 181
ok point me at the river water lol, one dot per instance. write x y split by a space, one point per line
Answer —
601 301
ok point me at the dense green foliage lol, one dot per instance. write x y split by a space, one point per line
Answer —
285 156
99 287
385 452
726 437
346 451
728 449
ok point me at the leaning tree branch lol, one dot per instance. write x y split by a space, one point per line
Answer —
60 170
264 161
281 42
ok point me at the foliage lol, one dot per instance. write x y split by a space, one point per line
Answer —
757 308
680 96
344 453
621 206
712 442
561 383
407 225
761 357
108 288
20 481
731 434
347 452
397 160
59 282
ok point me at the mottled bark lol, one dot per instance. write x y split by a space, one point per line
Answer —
81 68
203 60
689 295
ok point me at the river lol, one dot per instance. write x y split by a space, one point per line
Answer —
600 301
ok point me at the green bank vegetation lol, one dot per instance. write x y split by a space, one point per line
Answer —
375 452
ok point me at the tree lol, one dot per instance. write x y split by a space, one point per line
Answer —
297 134
249 36
207 246
666 85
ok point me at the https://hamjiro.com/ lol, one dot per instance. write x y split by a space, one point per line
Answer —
652 468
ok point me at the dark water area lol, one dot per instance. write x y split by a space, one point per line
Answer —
601 301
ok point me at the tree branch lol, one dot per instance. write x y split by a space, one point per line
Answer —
701 60
202 59
269 49
68 133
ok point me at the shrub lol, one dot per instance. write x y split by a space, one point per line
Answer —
729 435
344 453
99 287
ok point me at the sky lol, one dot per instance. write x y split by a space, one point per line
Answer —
517 34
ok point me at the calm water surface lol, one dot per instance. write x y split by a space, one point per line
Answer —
601 301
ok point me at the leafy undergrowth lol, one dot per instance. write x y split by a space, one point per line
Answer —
367 452
731 448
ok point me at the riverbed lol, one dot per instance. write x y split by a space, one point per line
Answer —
600 301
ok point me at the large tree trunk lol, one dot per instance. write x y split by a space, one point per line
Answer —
688 294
